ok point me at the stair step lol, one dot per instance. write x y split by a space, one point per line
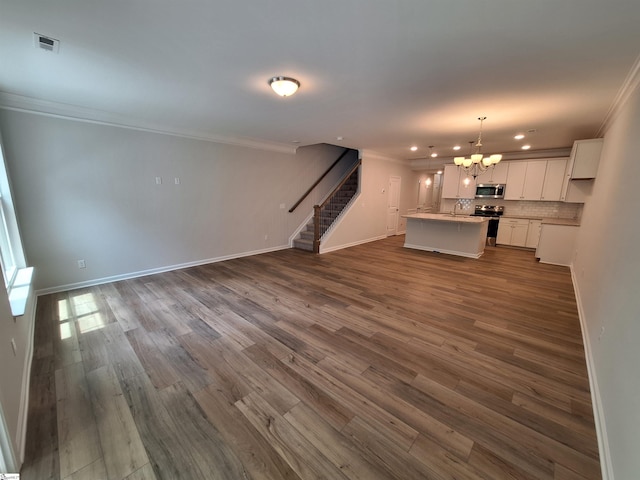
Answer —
329 213
303 244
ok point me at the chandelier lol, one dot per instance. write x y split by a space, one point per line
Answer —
477 163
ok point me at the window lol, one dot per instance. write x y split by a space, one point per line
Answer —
7 258
17 278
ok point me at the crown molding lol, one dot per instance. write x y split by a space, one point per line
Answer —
371 154
434 164
628 87
10 101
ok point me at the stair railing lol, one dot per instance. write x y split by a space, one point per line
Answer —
321 225
315 184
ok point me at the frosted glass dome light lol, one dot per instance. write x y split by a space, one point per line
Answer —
284 86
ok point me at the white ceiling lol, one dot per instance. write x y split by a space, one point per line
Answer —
383 74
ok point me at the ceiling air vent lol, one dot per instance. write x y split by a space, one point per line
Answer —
46 43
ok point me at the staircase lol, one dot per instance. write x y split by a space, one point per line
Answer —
330 209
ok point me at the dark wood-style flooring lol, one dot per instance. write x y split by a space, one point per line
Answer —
373 362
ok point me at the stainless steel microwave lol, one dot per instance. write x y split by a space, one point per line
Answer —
485 190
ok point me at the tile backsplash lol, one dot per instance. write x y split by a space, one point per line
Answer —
523 207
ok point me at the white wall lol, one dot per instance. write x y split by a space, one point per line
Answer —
88 191
607 278
367 219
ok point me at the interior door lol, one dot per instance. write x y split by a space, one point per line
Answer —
393 206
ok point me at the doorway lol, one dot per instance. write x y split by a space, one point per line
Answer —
393 206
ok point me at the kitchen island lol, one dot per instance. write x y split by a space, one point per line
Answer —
445 233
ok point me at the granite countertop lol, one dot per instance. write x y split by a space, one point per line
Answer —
526 217
548 220
446 217
561 221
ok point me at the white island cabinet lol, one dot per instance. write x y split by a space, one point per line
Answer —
445 233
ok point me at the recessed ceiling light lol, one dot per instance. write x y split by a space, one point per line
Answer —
519 136
414 148
526 147
457 147
433 154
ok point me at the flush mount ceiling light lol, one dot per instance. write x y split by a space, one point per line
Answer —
284 86
477 163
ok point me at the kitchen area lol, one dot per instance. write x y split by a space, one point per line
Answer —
531 204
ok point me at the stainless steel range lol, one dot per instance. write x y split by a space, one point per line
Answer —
494 212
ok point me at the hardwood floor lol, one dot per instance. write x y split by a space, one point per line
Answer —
373 362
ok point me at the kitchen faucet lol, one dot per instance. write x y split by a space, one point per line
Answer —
455 206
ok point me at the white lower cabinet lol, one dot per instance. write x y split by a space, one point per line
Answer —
513 231
557 244
533 234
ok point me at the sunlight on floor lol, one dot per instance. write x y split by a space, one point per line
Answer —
84 310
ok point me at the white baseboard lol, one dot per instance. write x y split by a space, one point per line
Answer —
601 431
21 435
441 250
152 271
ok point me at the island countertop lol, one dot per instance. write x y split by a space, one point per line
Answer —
446 217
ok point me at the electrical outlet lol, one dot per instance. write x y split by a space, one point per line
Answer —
176 180
82 264
158 180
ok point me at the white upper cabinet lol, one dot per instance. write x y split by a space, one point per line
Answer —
584 160
515 180
450 181
553 178
534 180
525 180
456 184
581 167
496 174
